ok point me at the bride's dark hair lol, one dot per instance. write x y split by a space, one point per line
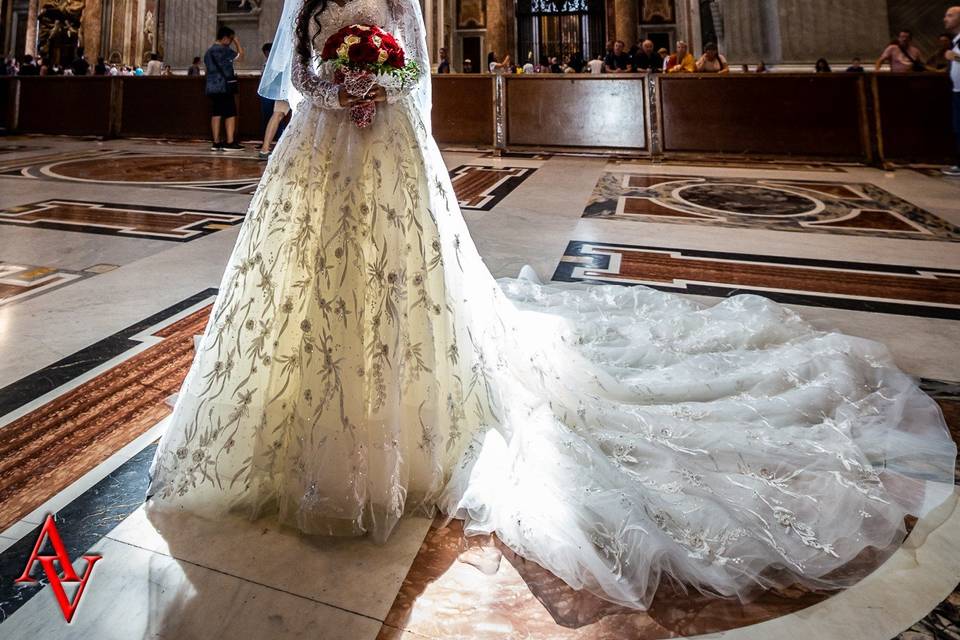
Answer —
310 9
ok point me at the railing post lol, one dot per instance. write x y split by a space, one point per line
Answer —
115 126
879 157
14 105
499 113
652 99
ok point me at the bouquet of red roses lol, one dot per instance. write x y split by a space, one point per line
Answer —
360 54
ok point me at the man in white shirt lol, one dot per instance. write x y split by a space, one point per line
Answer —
154 67
952 23
596 65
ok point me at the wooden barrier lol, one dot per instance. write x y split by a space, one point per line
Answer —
65 105
463 109
913 116
870 118
595 112
176 107
777 115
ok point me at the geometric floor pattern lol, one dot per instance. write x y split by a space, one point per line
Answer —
78 425
481 188
181 170
881 288
783 205
132 221
19 282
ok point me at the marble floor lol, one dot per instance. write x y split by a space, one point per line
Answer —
111 253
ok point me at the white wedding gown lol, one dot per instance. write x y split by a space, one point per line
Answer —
361 363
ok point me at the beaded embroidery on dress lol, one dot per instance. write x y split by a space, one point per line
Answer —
361 363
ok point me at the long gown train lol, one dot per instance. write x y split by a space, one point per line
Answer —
361 363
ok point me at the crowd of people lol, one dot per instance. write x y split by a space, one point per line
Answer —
901 55
27 65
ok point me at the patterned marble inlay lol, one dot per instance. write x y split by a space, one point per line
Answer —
138 221
782 205
882 288
527 155
50 446
182 169
482 188
477 588
943 623
727 163
935 172
19 282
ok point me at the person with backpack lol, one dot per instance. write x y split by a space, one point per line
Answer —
902 56
222 87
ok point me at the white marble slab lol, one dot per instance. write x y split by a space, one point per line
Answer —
353 574
133 593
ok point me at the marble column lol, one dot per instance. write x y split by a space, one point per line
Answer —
838 31
92 23
627 20
270 11
32 11
191 26
741 31
496 36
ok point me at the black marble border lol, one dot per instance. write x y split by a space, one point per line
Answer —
81 524
199 227
564 273
29 388
501 191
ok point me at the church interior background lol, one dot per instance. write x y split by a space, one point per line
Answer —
776 31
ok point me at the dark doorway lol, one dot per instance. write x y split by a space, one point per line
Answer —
471 51
559 28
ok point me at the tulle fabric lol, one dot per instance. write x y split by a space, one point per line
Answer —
361 364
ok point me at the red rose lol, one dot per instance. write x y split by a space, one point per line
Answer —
396 59
364 53
330 48
389 42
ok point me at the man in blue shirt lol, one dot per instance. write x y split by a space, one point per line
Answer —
952 22
221 87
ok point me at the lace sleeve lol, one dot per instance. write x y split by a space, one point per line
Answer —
409 30
396 89
319 92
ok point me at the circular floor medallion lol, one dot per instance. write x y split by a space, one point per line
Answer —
747 200
176 169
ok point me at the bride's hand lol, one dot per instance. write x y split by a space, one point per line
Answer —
347 100
377 93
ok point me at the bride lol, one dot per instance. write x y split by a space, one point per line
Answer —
361 364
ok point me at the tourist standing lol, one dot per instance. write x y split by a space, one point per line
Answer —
272 115
682 61
28 67
596 65
952 22
194 69
902 56
939 60
647 58
711 61
154 67
618 61
444 64
221 87
80 66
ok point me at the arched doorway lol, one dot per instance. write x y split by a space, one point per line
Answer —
559 28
